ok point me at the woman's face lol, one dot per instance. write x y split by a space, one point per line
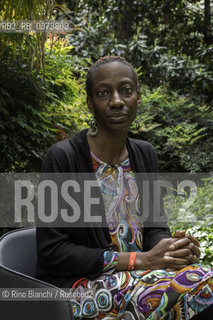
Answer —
115 99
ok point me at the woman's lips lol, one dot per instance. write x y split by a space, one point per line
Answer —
118 117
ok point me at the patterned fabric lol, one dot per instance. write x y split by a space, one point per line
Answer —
121 201
146 294
110 261
141 294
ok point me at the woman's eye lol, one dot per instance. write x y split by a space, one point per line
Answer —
102 93
127 90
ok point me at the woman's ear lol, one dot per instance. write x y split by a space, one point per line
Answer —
138 99
90 105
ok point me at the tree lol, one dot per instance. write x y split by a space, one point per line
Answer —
34 44
207 23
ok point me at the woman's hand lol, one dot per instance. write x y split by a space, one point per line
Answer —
155 258
176 252
170 254
194 245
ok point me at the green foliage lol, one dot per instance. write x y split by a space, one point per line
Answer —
196 218
65 75
180 129
36 112
30 46
25 9
55 108
23 125
164 38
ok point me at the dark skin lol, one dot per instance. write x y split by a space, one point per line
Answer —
114 104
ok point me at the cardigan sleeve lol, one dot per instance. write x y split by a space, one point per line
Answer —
59 256
154 235
67 251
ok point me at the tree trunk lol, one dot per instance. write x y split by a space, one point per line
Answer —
207 23
123 28
126 23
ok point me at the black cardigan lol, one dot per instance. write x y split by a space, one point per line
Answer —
67 254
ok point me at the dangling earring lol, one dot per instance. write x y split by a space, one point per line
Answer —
137 124
93 129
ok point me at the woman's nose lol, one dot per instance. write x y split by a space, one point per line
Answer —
116 100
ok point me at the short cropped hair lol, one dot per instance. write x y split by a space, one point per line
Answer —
104 60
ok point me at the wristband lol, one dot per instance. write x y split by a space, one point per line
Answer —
132 257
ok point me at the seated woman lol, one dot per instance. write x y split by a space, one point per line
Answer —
131 271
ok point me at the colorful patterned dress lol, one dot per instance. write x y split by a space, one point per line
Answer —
141 294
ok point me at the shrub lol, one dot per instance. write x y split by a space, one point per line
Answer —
180 129
37 111
196 219
25 130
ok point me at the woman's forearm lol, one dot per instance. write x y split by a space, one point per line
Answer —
155 258
142 261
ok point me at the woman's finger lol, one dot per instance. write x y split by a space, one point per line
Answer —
193 239
179 234
175 267
175 261
179 243
194 249
181 253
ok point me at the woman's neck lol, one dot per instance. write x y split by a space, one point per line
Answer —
109 147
